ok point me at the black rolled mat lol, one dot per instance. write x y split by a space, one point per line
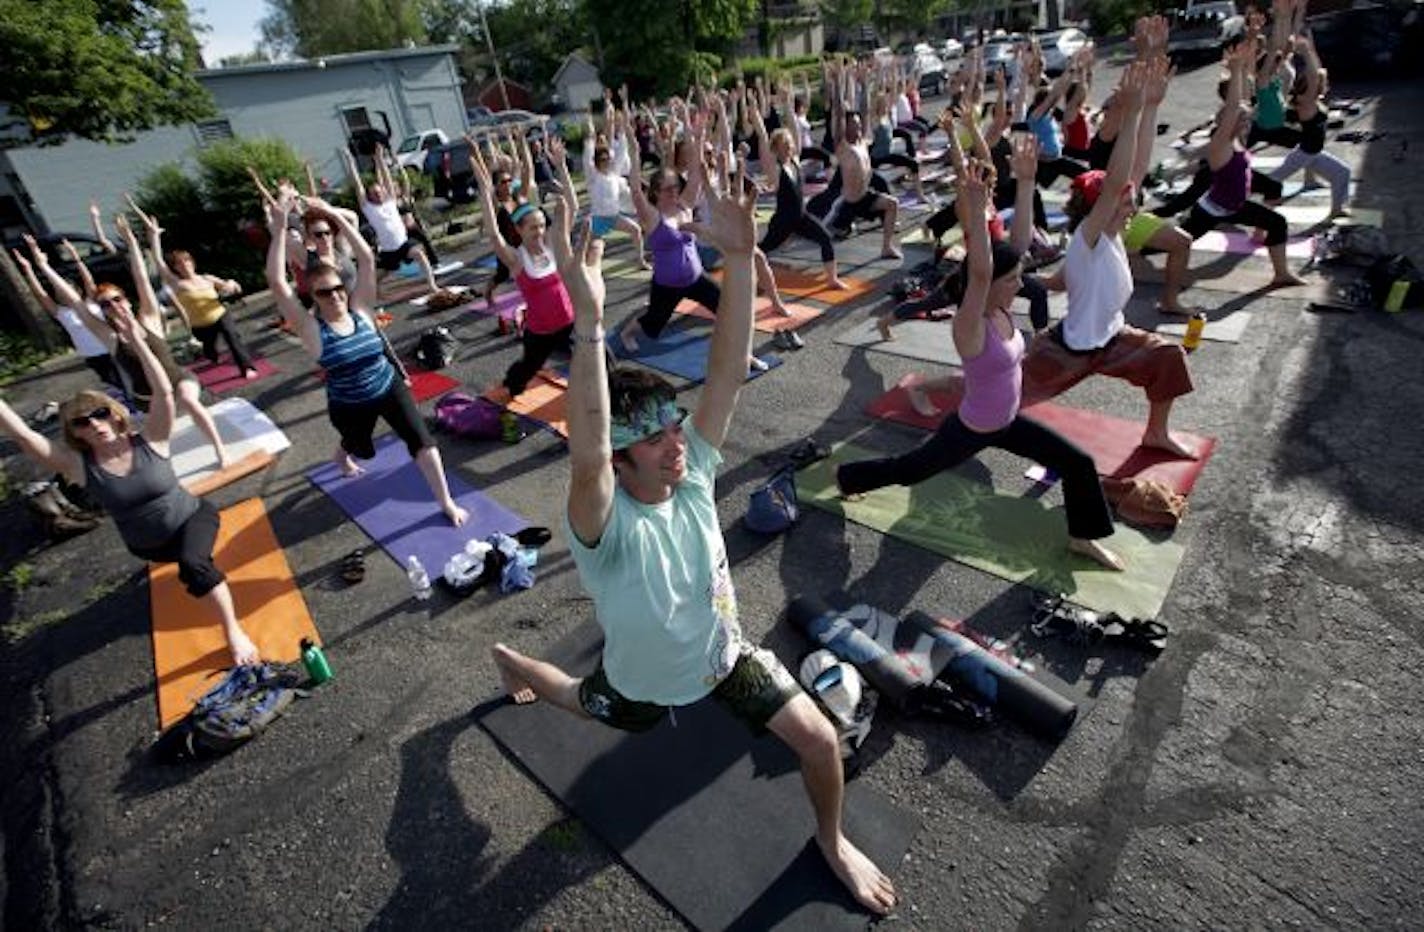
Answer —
714 820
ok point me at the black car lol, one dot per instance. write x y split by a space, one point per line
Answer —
103 266
449 169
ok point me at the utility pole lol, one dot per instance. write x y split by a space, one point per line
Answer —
489 42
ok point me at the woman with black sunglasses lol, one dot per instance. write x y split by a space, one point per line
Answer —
130 474
365 380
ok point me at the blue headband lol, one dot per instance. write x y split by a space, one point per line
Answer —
522 211
651 416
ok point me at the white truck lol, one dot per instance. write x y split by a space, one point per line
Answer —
412 149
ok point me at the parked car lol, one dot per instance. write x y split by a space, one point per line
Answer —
1001 53
104 266
478 115
1202 29
451 173
951 49
1060 45
933 76
411 151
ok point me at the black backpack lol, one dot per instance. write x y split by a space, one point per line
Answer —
436 348
232 713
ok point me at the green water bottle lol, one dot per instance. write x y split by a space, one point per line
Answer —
314 659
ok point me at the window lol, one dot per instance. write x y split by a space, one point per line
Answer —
211 131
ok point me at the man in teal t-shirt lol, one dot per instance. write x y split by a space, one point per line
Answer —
643 530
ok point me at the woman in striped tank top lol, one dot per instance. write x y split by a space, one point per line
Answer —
364 379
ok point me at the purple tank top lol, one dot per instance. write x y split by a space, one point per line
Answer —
1231 185
993 381
675 260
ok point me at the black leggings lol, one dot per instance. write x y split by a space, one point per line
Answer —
781 227
1050 170
950 291
1287 137
356 423
191 547
1261 184
208 336
952 443
815 154
416 231
537 347
1251 214
663 300
894 158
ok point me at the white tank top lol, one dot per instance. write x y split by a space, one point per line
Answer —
85 343
1099 282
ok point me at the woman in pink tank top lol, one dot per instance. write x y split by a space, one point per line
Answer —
548 313
992 350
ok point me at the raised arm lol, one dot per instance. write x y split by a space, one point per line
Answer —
970 205
559 156
731 230
1219 147
647 214
155 246
27 271
1159 73
364 296
96 222
481 171
52 456
1024 163
158 424
65 294
525 160
1119 174
302 323
770 170
86 278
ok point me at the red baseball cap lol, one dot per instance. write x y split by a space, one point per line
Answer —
1089 185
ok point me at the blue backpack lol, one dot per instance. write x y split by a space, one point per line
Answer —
232 713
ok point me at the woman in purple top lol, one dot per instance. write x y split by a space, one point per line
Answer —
992 350
669 234
1229 201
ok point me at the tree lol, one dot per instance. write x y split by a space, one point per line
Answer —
100 71
660 45
313 28
913 16
254 57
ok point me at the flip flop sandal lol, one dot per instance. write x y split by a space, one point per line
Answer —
533 537
1054 617
808 452
1149 635
353 567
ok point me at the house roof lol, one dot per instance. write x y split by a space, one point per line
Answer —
571 59
329 61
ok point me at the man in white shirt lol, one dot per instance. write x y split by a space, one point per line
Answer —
382 211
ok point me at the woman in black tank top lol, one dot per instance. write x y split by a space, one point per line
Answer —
129 472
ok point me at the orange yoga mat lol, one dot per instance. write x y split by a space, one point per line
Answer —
767 320
802 283
543 400
189 650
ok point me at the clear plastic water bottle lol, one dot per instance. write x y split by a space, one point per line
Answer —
419 579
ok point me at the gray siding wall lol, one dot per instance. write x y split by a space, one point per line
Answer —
301 106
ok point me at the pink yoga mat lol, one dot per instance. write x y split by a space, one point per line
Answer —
1112 442
507 304
1239 243
224 377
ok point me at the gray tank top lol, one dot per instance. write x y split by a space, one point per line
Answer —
148 505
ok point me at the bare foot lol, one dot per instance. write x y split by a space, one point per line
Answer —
782 309
457 515
251 374
515 685
838 285
348 466
244 652
1096 552
224 458
870 887
920 401
1286 281
630 343
499 394
1166 441
883 325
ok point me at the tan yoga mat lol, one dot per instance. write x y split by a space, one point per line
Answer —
189 649
806 284
767 320
544 400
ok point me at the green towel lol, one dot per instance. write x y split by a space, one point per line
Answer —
1011 536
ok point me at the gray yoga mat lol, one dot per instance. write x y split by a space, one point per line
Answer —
714 820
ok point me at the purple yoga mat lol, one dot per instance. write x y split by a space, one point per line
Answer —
506 305
392 503
1239 243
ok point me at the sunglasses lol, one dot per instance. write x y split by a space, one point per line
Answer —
98 414
503 179
328 292
321 233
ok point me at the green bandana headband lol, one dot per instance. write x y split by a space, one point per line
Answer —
652 416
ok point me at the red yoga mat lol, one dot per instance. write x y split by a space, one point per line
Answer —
426 385
1113 442
223 377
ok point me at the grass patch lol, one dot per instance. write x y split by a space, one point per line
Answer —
565 836
99 590
26 625
19 577
21 352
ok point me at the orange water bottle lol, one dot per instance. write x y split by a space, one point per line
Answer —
1193 337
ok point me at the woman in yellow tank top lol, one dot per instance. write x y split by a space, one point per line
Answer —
199 299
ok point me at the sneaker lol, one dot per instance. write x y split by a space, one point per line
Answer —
757 365
781 340
793 339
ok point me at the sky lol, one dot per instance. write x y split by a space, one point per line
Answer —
233 26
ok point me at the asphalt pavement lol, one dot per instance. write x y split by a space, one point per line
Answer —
1265 770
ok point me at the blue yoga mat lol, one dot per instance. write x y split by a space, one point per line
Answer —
682 353
392 503
1057 219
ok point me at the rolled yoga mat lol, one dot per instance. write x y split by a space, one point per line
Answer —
714 820
392 503
1010 536
920 649
189 648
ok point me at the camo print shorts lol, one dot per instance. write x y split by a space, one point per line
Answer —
756 689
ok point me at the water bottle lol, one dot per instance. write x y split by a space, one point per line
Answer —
419 579
509 427
314 659
1193 337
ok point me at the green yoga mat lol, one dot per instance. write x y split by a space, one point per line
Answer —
1010 536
